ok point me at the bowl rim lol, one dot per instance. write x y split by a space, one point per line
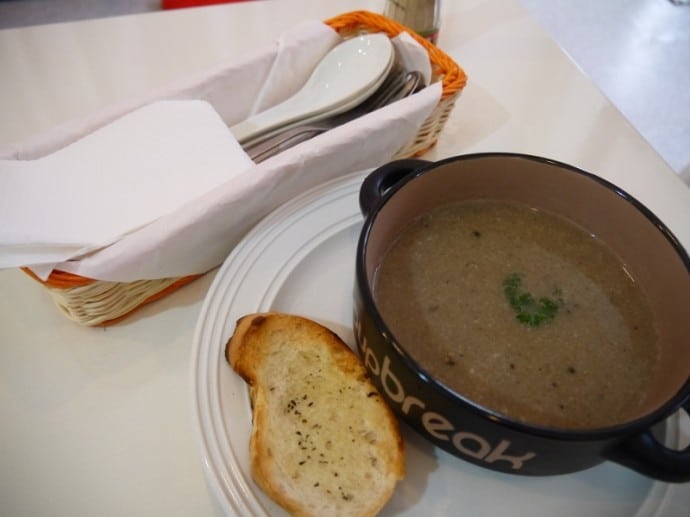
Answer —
602 433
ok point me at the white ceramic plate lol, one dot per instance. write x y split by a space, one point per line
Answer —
300 259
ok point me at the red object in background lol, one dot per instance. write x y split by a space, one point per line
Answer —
179 4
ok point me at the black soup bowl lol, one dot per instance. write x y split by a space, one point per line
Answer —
397 193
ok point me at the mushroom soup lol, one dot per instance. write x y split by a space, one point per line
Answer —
522 312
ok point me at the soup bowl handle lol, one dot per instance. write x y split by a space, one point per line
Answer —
646 455
380 181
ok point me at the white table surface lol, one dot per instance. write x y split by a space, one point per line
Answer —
97 421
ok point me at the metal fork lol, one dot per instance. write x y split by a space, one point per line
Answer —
397 85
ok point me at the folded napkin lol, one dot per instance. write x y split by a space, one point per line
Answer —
113 181
194 234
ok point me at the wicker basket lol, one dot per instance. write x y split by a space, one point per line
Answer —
93 302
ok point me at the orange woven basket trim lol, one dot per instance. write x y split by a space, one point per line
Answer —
453 77
60 279
157 296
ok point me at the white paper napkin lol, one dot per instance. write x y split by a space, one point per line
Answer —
113 181
412 56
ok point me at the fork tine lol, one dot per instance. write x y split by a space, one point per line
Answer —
378 98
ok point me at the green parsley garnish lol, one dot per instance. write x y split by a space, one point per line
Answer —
529 310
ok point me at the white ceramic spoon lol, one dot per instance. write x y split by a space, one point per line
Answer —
346 76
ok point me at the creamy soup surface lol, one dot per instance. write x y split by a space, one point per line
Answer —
521 311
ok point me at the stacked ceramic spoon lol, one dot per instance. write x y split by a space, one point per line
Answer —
354 78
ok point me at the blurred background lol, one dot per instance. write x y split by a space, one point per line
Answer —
636 51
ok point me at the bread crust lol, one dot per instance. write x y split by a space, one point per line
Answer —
323 441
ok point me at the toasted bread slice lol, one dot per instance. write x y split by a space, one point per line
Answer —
323 441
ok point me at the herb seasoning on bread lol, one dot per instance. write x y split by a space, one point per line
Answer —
323 440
